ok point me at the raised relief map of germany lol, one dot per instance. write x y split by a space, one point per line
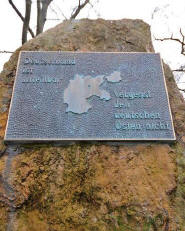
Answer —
76 97
61 96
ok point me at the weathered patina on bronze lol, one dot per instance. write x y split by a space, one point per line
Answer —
89 96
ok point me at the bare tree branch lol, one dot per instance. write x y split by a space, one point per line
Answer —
77 10
95 11
38 16
20 15
54 11
182 41
59 9
179 70
42 7
6 52
181 89
54 19
26 21
183 37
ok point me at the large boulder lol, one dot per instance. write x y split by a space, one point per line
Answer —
88 187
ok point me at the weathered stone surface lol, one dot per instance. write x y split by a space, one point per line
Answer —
137 186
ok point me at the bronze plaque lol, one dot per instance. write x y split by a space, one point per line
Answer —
62 96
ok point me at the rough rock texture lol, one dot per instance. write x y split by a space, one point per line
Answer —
85 187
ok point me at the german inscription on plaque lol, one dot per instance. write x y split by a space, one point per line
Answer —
89 96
